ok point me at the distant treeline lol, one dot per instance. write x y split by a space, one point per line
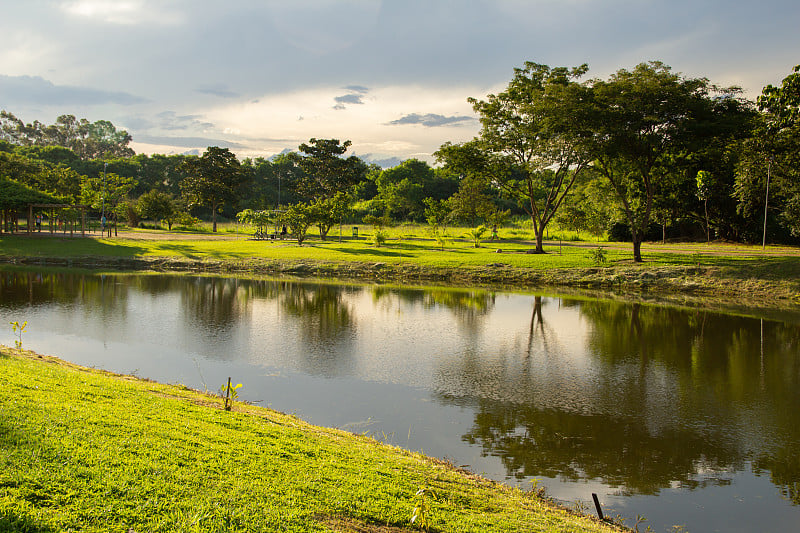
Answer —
645 154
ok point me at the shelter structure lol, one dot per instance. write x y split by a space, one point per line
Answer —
52 216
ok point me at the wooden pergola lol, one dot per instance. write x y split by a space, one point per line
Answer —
52 208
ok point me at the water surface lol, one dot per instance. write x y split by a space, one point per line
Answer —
686 417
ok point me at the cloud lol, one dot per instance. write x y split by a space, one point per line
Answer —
186 142
355 96
217 90
122 12
37 90
431 120
169 120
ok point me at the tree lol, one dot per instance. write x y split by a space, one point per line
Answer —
158 206
107 192
531 140
643 119
402 189
299 217
472 201
86 139
437 213
325 171
212 179
703 188
782 104
327 212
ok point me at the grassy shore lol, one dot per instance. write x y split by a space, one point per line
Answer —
737 274
86 450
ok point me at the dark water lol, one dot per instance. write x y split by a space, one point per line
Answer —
685 417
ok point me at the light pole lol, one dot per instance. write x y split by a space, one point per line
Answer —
766 203
103 198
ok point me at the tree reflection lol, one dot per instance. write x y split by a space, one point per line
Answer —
621 452
212 306
468 306
659 396
323 314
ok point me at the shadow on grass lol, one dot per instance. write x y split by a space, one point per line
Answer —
58 246
13 523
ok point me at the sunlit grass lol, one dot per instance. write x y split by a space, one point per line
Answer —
83 450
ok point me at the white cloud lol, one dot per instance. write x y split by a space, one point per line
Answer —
123 12
367 125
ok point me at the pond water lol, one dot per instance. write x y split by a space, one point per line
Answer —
686 417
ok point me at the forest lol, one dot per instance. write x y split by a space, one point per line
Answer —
646 154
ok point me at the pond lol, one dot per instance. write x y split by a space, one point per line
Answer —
687 417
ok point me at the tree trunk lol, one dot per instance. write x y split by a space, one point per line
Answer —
213 218
637 248
539 239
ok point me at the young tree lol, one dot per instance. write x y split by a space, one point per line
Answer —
327 212
158 206
299 217
532 139
212 180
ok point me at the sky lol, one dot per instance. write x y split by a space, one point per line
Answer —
392 76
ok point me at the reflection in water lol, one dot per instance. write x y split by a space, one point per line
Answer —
668 397
642 398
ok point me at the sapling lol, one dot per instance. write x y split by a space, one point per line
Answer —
229 394
18 329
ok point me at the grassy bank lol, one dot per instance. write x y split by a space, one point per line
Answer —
741 274
85 450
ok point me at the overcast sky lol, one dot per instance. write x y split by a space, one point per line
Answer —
392 76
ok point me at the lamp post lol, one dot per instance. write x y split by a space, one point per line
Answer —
103 198
766 203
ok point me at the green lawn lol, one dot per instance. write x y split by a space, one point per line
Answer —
83 450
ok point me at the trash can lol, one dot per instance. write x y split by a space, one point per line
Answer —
355 232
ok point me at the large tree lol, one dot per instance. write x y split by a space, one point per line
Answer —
212 179
643 120
531 143
325 170
768 180
86 139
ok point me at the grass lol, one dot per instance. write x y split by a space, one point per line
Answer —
85 450
411 255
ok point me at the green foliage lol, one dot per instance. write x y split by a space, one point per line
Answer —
212 179
229 394
598 256
782 103
420 516
327 212
86 139
378 222
299 217
18 329
158 206
325 171
476 235
15 195
379 237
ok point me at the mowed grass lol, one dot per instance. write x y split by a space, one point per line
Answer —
412 245
84 450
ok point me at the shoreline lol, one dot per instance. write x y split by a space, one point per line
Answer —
693 286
